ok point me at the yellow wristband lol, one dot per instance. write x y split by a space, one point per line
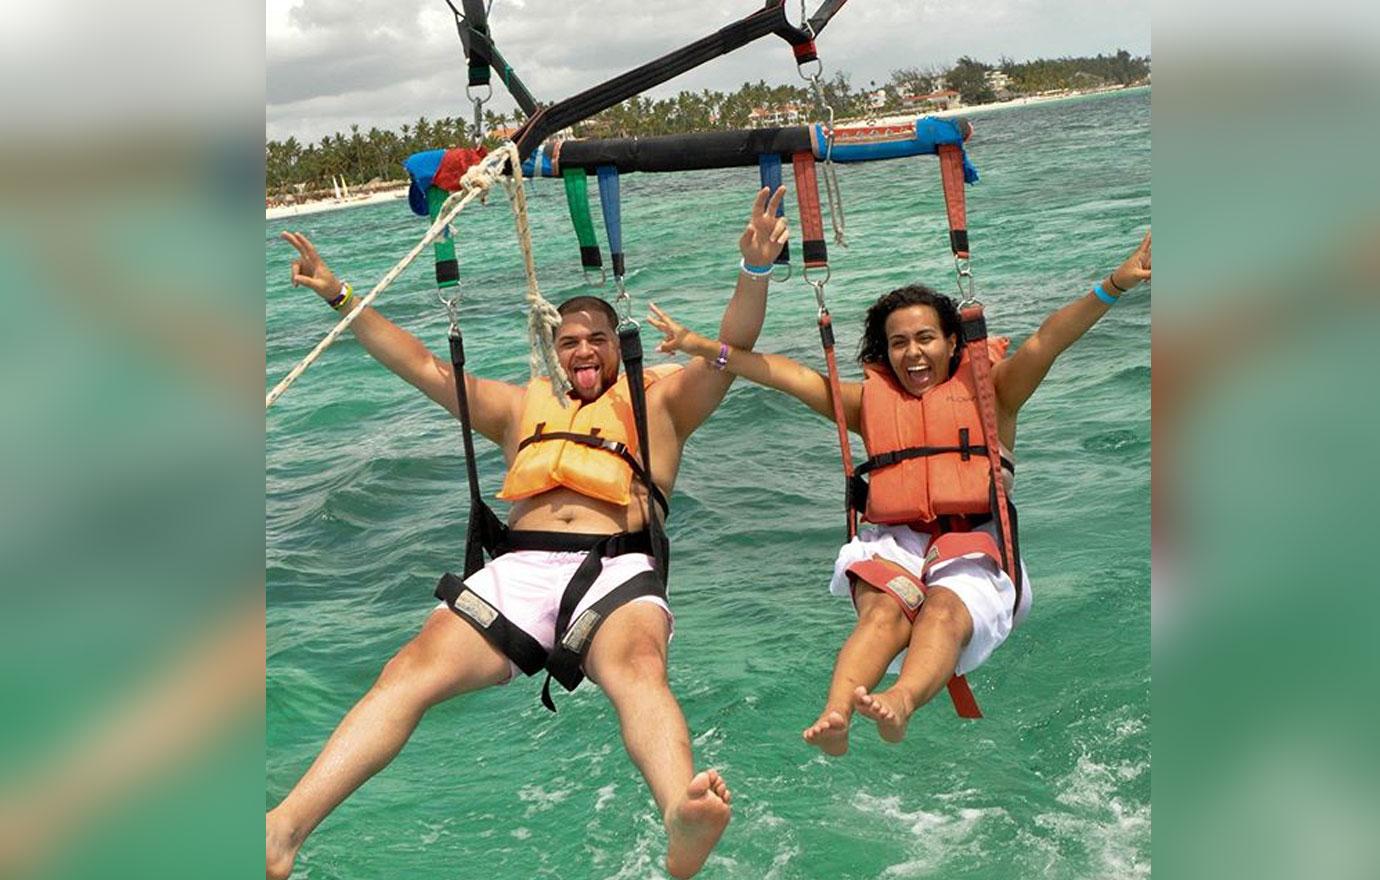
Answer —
347 293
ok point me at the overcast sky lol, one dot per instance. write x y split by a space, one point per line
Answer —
385 62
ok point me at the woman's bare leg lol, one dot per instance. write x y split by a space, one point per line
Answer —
881 633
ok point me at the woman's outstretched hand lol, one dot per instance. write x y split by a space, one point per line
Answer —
678 337
766 233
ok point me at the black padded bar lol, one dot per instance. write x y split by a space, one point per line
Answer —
684 152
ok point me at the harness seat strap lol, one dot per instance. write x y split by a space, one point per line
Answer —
566 662
510 640
909 592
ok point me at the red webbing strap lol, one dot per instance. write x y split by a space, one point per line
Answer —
962 695
826 335
975 335
813 250
884 575
951 174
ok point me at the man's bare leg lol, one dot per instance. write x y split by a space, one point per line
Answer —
448 657
881 633
628 660
942 629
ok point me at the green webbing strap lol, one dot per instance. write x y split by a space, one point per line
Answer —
447 267
577 197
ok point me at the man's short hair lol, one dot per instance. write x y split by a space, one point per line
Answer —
592 304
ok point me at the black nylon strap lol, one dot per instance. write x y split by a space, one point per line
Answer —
477 45
771 19
573 542
887 459
485 529
630 348
565 664
510 639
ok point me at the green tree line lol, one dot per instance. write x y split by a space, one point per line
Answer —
360 157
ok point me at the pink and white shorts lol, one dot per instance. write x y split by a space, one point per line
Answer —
526 586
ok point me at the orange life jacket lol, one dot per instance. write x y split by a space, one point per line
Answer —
597 448
926 455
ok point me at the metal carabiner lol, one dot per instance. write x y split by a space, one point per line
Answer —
452 307
819 294
963 271
603 277
623 304
805 273
811 77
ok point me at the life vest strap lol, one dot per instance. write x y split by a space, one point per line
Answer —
886 459
593 441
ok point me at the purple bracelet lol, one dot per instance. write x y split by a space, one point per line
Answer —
722 360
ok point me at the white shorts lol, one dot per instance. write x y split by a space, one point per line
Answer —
526 587
985 589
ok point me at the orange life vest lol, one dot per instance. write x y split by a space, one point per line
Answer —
926 455
596 465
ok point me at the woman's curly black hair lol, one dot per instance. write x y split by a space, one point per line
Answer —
872 348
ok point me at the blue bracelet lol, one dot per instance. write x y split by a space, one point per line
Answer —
756 271
1104 295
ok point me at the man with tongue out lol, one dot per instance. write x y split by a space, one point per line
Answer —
503 620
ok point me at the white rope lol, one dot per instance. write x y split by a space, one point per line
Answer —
542 317
475 184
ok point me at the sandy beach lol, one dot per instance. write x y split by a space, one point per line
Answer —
278 211
970 109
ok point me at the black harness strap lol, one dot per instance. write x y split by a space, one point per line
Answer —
482 54
509 639
485 532
566 661
630 347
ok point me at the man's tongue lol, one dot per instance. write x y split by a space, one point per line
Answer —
586 378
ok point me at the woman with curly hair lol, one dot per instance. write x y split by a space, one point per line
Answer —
947 612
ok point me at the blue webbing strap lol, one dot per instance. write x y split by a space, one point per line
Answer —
769 164
613 217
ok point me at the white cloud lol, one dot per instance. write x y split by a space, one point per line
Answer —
382 62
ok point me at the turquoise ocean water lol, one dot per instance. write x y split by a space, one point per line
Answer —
366 506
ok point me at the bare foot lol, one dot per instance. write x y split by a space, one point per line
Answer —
281 847
890 709
694 824
829 733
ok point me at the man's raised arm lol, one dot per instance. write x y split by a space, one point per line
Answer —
693 393
494 406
